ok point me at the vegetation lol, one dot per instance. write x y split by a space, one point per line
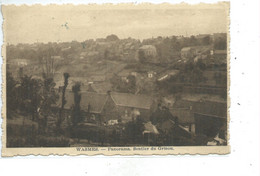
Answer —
133 133
12 95
76 112
126 86
63 101
112 37
31 98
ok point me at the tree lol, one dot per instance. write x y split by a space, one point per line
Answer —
36 98
206 40
49 95
11 94
76 112
126 86
46 60
63 100
49 98
112 37
193 41
162 114
134 131
106 54
131 84
30 95
192 72
141 56
220 45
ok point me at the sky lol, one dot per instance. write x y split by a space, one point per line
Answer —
30 24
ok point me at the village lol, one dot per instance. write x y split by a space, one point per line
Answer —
163 91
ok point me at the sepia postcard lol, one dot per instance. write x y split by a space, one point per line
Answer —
115 79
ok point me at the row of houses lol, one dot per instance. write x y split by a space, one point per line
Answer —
203 121
208 118
105 108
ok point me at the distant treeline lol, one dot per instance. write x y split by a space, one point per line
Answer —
167 47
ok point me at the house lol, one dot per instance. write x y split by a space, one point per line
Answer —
91 104
128 106
109 107
210 118
201 114
149 53
149 50
187 52
205 88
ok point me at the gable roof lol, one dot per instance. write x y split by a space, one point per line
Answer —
131 100
95 100
209 108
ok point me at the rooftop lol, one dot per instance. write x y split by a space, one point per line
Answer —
217 109
95 100
211 108
132 100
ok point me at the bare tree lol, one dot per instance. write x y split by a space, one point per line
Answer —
63 100
76 112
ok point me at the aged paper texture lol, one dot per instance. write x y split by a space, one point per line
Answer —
119 79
